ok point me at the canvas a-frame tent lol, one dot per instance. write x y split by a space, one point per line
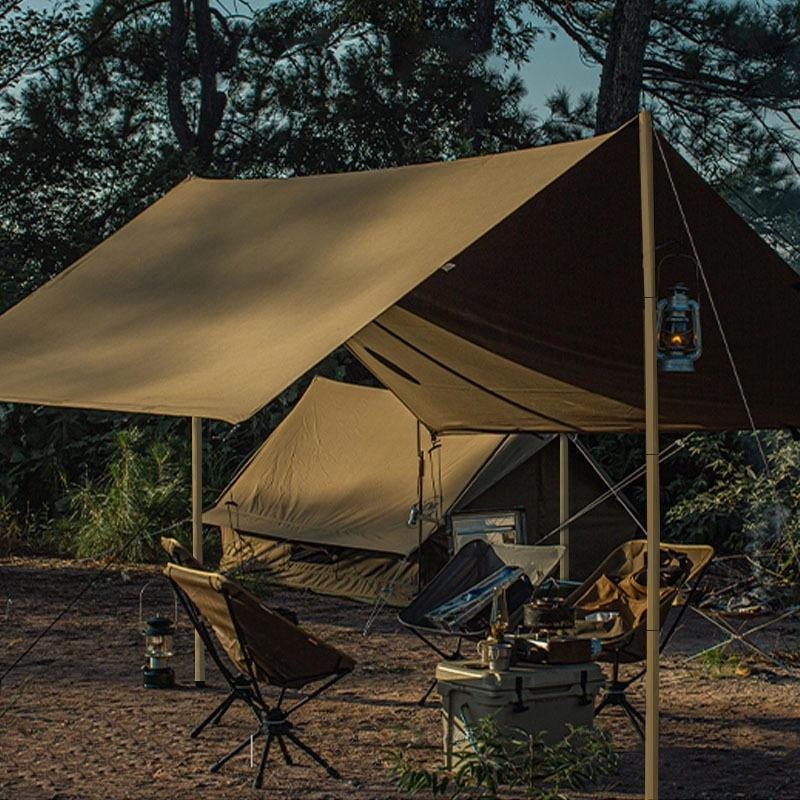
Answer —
323 503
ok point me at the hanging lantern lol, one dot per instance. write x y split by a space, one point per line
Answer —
158 631
678 327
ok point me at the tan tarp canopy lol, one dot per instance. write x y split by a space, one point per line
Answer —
223 292
538 325
323 503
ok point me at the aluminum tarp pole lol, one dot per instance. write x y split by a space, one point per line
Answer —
420 502
651 727
563 503
197 534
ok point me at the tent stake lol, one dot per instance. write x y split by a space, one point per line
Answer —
651 451
197 534
563 505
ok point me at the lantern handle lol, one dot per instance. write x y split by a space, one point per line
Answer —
678 256
141 601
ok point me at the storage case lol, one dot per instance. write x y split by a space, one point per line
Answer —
536 697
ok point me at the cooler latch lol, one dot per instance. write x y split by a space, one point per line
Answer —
519 707
585 699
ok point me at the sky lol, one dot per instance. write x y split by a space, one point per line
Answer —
555 64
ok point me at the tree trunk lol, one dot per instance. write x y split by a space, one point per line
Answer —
197 146
212 100
178 34
480 43
621 79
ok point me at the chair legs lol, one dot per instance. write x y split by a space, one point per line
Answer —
217 765
263 762
275 727
240 690
313 755
286 757
614 695
454 656
215 716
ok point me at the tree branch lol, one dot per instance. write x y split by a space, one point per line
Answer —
178 35
570 30
130 11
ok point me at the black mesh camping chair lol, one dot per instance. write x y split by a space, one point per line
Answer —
263 647
473 563
619 584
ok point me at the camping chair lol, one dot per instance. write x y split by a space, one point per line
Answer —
473 563
619 584
178 554
263 646
240 686
181 556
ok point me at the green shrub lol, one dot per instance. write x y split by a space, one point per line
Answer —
146 489
28 532
11 529
760 507
721 662
519 760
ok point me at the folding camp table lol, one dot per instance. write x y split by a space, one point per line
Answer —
741 634
738 577
473 563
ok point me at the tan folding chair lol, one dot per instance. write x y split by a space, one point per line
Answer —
619 584
263 647
240 685
179 554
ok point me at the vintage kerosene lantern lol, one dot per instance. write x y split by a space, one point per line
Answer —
679 336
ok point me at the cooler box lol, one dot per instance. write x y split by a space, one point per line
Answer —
533 698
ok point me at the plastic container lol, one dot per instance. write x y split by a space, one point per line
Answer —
533 698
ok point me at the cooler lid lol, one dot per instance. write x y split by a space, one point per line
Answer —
473 676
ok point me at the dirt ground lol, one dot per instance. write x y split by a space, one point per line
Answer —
75 721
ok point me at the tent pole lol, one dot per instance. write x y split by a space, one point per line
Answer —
651 451
563 505
197 534
420 502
